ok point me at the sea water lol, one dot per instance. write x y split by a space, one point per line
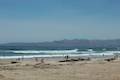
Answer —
8 54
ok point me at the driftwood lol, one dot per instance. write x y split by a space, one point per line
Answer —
84 59
110 59
65 61
13 62
79 59
74 59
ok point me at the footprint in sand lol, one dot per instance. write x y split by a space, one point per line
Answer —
2 77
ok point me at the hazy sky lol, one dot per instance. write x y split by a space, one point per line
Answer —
47 20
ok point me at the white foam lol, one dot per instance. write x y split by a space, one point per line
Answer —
69 52
50 56
46 51
42 56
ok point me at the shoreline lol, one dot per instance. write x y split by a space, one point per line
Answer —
58 56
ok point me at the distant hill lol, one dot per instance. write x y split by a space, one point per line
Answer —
65 44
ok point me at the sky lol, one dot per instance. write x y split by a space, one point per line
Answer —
48 20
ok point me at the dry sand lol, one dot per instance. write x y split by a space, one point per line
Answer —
53 70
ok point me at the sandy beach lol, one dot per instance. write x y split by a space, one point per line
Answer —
54 70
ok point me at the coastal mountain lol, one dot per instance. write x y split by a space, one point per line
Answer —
65 44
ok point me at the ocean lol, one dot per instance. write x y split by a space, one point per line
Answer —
10 54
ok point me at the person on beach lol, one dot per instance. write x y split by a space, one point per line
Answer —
36 59
103 55
22 58
42 60
116 56
18 59
66 57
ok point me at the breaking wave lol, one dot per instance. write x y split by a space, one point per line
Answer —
46 51
8 54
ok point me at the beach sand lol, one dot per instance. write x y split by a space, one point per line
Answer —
54 70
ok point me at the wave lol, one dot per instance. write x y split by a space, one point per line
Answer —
54 53
41 56
46 51
58 55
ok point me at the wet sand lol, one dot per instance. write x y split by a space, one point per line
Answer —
54 70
